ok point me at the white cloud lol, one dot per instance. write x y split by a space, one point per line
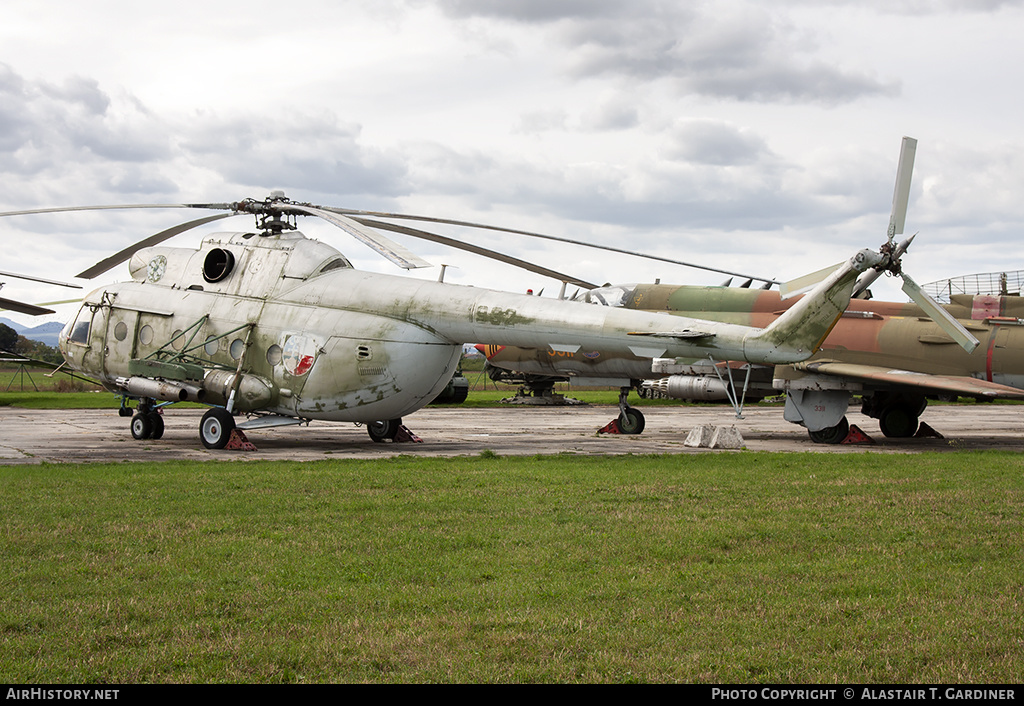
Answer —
760 136
707 142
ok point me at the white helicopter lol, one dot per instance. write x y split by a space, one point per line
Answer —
281 328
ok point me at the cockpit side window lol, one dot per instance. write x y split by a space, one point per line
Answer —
610 295
338 263
80 330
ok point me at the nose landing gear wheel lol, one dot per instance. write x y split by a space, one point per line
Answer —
141 426
631 421
146 423
216 427
831 435
156 423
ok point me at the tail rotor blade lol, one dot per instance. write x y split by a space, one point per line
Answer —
939 315
900 199
901 194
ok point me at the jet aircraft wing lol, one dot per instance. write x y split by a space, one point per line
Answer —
958 384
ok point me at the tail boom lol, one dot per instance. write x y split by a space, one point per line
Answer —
800 331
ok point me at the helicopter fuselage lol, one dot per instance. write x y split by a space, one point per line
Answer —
283 325
276 316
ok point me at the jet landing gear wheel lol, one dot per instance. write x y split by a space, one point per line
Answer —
898 422
216 428
631 421
831 435
384 430
898 414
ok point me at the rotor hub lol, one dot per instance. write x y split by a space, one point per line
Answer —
892 264
272 214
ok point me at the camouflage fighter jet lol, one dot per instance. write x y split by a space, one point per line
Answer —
894 355
890 354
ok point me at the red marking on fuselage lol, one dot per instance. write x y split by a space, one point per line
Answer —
988 354
488 350
304 364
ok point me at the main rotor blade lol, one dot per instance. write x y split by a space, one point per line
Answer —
22 307
477 250
123 207
901 194
468 224
117 258
62 301
40 279
385 246
939 315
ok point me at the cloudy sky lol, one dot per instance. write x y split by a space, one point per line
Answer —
750 136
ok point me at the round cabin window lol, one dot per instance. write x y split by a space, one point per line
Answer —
274 354
212 345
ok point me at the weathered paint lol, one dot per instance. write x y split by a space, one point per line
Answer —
870 332
878 349
313 338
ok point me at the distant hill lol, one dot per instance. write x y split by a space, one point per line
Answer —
44 333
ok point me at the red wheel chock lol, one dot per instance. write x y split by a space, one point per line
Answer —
925 430
857 436
405 434
238 442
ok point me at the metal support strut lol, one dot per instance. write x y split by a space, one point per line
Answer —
737 401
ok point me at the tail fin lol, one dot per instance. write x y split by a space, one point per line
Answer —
801 330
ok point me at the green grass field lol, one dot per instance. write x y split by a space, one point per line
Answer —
732 568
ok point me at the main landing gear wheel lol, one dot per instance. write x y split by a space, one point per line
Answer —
631 421
216 427
831 435
898 422
147 425
384 430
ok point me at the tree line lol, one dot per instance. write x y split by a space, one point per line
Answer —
11 340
